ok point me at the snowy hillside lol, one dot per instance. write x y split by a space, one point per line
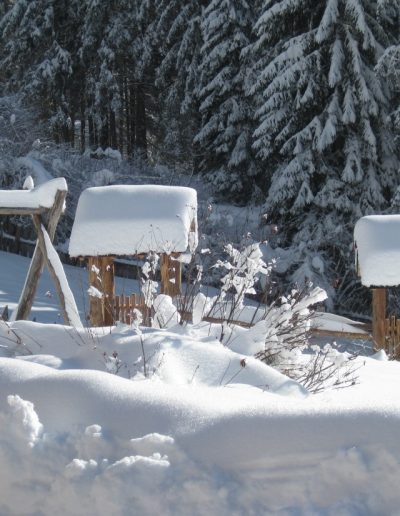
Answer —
114 421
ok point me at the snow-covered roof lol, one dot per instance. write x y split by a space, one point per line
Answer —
134 219
40 197
377 242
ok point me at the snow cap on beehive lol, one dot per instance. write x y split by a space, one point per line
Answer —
134 219
377 246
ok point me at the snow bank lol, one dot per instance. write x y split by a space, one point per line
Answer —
95 443
40 197
377 240
126 220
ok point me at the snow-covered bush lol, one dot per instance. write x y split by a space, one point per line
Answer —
278 334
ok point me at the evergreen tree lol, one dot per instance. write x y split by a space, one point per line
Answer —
224 139
38 41
118 52
322 126
180 40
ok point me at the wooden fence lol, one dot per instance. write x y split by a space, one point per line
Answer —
124 307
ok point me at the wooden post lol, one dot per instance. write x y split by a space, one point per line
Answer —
101 277
378 317
170 275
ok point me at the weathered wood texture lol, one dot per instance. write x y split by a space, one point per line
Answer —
37 221
392 336
36 267
124 307
101 277
171 282
23 211
378 317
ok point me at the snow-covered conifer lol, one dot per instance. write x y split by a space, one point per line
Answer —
322 124
180 40
38 41
224 139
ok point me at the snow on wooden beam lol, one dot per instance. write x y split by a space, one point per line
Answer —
34 201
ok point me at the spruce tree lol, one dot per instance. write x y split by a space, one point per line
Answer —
322 126
179 40
38 41
224 139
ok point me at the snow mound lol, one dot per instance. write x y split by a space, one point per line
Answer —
88 442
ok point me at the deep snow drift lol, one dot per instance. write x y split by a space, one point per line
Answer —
115 421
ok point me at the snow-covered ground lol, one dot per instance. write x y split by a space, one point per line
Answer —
114 422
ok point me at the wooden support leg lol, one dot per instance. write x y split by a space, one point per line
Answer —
378 317
36 267
54 265
101 277
170 275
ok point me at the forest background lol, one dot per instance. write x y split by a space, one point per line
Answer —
290 106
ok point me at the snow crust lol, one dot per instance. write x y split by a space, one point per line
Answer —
41 196
78 440
126 220
377 240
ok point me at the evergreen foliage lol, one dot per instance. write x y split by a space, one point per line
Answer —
225 136
322 126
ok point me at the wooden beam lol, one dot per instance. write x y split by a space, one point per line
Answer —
170 269
36 267
341 334
378 317
23 211
42 244
101 277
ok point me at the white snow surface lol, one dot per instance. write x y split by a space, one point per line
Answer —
42 196
209 431
377 240
134 219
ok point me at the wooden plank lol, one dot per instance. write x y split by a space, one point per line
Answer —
117 308
42 244
170 275
23 211
107 277
95 303
341 334
378 317
36 266
101 277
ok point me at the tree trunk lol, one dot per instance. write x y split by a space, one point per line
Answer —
140 122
